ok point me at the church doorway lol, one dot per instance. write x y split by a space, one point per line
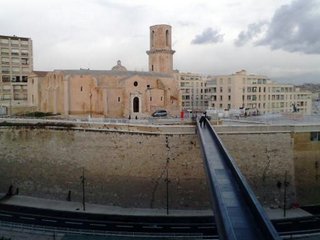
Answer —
135 104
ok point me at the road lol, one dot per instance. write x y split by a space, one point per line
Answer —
170 225
201 226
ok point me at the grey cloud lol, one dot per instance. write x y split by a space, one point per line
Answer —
209 35
295 28
253 30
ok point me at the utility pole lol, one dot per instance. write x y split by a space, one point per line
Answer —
285 185
83 179
167 173
90 104
167 185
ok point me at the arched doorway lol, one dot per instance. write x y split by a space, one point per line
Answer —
135 104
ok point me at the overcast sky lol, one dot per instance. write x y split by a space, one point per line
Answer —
277 38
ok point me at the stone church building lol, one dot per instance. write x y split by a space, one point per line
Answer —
112 93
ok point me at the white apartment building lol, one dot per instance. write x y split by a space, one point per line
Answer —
192 88
16 64
255 93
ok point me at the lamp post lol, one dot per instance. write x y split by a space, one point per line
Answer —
285 185
90 96
83 179
167 173
167 185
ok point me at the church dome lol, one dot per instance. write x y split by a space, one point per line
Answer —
119 67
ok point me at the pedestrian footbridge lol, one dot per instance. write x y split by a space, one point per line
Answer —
238 214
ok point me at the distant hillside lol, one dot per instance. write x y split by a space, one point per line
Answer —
312 87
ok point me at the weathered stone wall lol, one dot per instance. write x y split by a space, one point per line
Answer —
307 168
129 169
123 169
263 159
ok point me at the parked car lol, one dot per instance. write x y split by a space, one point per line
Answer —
160 113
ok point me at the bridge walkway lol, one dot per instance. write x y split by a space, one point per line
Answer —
238 213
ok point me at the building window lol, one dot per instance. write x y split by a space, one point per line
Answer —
148 86
229 97
161 98
5 70
24 52
24 61
314 136
167 38
81 88
150 99
221 89
4 51
5 78
4 41
152 38
5 60
152 68
119 99
135 83
15 52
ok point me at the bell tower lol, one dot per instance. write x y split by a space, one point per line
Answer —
160 53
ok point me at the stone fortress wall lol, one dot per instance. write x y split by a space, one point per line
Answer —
129 169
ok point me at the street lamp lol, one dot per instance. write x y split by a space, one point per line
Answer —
90 96
167 185
83 179
167 173
285 185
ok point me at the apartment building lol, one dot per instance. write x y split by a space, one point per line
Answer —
16 64
256 94
192 89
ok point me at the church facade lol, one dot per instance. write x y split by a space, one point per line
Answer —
112 93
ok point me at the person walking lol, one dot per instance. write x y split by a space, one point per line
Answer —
203 120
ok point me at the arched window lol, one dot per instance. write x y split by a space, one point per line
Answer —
152 38
167 38
135 104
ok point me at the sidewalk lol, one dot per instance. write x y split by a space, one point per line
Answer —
20 200
290 213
